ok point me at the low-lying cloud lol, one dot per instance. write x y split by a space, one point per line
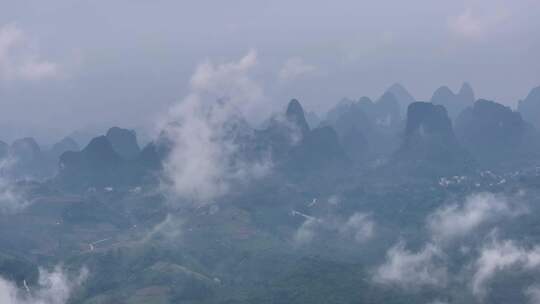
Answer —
498 256
470 24
428 266
533 293
170 229
20 60
205 161
359 227
307 231
12 199
295 68
54 287
454 221
412 270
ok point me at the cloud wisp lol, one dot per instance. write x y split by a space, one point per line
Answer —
455 221
533 293
54 287
20 60
498 256
170 229
359 227
12 200
412 270
471 25
448 225
295 68
205 128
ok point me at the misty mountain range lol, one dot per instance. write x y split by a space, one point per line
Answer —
450 129
269 152
390 200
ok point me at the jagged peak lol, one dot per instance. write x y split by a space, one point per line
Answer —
345 102
490 105
4 148
27 144
123 141
68 141
443 91
530 107
534 94
99 144
421 113
365 100
397 86
294 108
401 93
466 91
388 97
295 114
114 130
66 144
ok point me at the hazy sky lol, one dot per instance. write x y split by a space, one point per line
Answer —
67 64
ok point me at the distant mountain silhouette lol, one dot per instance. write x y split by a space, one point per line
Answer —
282 132
341 107
28 160
385 112
429 140
353 127
84 136
466 93
66 144
294 147
367 129
97 165
530 107
313 119
152 156
320 149
124 142
454 103
295 115
494 133
4 149
26 150
401 94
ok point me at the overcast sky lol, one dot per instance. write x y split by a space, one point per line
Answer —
68 64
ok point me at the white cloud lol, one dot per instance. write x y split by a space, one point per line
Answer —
498 256
169 229
295 68
469 24
38 70
306 232
334 200
465 24
533 293
359 227
54 287
12 200
412 270
204 161
456 221
428 266
19 59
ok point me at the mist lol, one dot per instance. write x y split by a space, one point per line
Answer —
81 68
269 152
